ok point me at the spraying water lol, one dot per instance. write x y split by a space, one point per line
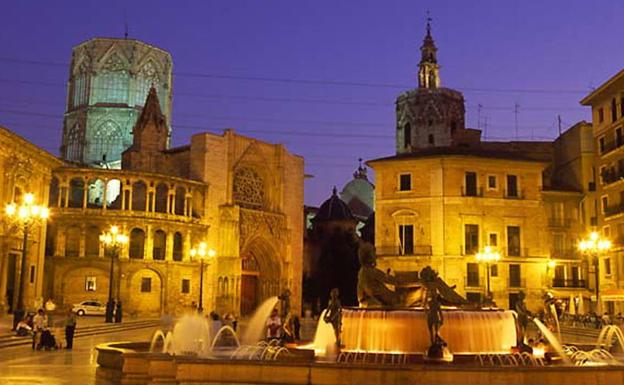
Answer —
554 342
324 339
257 324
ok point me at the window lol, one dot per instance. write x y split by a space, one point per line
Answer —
137 243
406 239
472 274
90 283
248 190
186 286
619 140
559 273
471 239
613 110
407 135
32 274
473 297
558 243
606 231
493 239
600 115
513 241
603 173
605 203
622 106
576 275
146 285
492 182
512 186
494 270
602 144
514 275
431 139
607 265
178 244
470 179
405 182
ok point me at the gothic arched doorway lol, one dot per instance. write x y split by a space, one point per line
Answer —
260 275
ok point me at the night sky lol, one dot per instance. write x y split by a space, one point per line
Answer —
321 76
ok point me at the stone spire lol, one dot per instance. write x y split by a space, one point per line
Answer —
150 138
428 71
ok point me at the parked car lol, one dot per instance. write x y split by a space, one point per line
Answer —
89 308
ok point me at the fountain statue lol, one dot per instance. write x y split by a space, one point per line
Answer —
333 315
524 316
373 291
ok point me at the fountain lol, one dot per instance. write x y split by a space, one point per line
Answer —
410 328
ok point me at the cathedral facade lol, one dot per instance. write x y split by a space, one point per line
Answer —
239 196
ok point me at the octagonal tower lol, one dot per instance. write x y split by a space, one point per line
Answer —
109 80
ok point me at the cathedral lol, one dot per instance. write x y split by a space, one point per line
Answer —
238 196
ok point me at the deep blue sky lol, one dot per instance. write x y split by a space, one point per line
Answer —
544 55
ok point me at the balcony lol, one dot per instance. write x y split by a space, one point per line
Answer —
475 192
613 210
416 250
473 281
611 175
611 146
514 194
569 283
517 283
563 223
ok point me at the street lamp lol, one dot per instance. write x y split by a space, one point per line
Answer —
202 252
593 247
24 216
487 256
112 241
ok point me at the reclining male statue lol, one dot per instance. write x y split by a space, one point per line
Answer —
373 290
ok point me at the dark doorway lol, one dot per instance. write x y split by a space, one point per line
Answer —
249 294
513 299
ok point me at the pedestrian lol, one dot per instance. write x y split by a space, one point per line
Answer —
40 322
297 328
273 326
70 328
118 313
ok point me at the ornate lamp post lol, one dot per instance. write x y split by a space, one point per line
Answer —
112 241
487 256
24 216
593 247
202 252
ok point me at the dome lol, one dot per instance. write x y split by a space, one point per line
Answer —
334 209
359 194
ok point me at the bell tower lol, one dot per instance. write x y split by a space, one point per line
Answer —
428 69
430 115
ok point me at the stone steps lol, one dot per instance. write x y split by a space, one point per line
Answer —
10 340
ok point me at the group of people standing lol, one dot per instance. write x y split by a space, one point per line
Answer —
41 327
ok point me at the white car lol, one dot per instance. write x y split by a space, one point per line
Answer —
89 308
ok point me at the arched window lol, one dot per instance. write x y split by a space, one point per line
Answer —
107 141
95 193
72 242
113 194
180 197
112 82
147 76
139 195
161 198
73 143
160 244
248 188
76 193
177 246
80 88
137 243
407 135
92 242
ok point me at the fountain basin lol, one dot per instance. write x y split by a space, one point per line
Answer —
405 331
120 365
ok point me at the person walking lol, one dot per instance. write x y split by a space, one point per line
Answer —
70 328
40 322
